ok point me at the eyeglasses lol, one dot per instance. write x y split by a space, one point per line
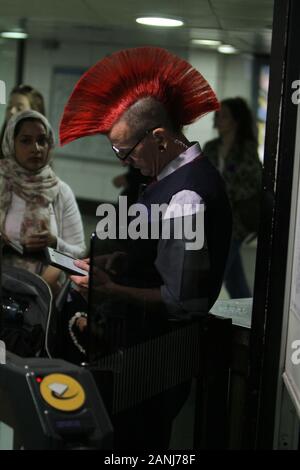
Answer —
122 155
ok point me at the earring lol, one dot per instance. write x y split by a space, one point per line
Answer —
161 148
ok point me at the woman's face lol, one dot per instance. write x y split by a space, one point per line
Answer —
32 146
224 121
17 104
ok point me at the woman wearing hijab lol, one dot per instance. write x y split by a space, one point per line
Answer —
37 209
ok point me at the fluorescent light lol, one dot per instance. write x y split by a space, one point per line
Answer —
227 49
152 21
206 42
14 35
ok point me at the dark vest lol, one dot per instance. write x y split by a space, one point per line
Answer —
140 321
201 177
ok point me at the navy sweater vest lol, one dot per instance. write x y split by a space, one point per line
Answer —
201 177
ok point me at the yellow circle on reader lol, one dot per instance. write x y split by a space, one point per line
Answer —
62 392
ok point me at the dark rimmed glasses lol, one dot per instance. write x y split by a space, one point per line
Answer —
123 155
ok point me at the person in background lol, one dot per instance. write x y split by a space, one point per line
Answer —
22 98
37 209
234 153
140 99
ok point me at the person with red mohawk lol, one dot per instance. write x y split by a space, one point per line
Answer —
141 99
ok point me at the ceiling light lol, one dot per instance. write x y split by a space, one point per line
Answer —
206 42
227 49
14 35
152 21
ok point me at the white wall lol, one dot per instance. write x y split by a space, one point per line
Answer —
207 63
228 76
7 69
235 76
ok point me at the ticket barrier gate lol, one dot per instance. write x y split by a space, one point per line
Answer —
52 404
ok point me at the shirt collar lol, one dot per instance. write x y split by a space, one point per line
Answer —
185 157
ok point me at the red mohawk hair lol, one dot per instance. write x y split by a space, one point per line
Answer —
116 82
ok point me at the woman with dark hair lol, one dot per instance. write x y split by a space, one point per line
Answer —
22 98
37 209
235 155
32 99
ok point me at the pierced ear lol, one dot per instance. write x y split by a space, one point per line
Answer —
159 134
161 139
